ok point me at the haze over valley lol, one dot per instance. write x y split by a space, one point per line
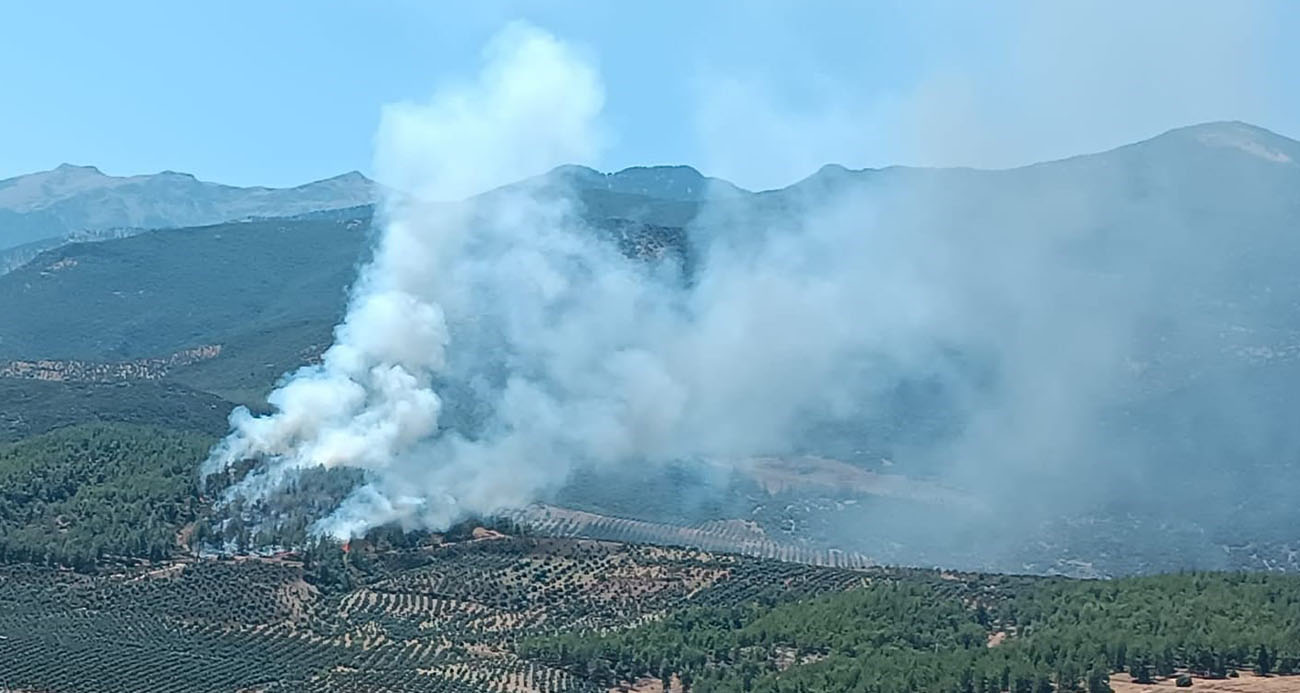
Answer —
1173 305
544 348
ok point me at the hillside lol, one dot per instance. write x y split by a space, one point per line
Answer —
32 407
1157 279
1216 202
79 199
157 293
493 613
103 490
150 602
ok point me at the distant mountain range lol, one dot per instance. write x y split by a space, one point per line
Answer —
1231 188
45 210
71 200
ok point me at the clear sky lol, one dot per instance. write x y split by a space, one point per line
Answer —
279 93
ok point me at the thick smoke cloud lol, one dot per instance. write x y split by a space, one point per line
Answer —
371 403
1010 333
493 345
1079 328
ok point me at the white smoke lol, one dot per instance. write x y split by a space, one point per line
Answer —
551 347
494 344
370 403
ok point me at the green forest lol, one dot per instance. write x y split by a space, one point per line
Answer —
107 497
75 496
1037 637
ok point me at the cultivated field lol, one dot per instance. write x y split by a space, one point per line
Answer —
439 619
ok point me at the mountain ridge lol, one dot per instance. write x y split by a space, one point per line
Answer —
80 199
75 199
1117 187
1221 134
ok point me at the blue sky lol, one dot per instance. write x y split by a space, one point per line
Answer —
279 93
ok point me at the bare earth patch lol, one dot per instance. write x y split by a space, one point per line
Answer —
1245 683
648 685
485 534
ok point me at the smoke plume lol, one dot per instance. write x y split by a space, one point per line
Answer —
494 344
371 403
1019 334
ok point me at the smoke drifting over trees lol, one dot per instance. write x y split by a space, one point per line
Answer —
1017 334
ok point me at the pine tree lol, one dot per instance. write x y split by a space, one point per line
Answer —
1140 670
1098 680
1263 661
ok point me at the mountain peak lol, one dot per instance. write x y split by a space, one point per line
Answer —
70 168
1236 134
673 182
1223 126
673 169
349 177
831 170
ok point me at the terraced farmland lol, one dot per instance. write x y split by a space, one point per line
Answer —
434 619
501 614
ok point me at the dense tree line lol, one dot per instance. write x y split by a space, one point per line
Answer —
1056 635
75 495
79 494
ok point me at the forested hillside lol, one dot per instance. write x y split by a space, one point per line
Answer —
985 635
79 495
157 293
